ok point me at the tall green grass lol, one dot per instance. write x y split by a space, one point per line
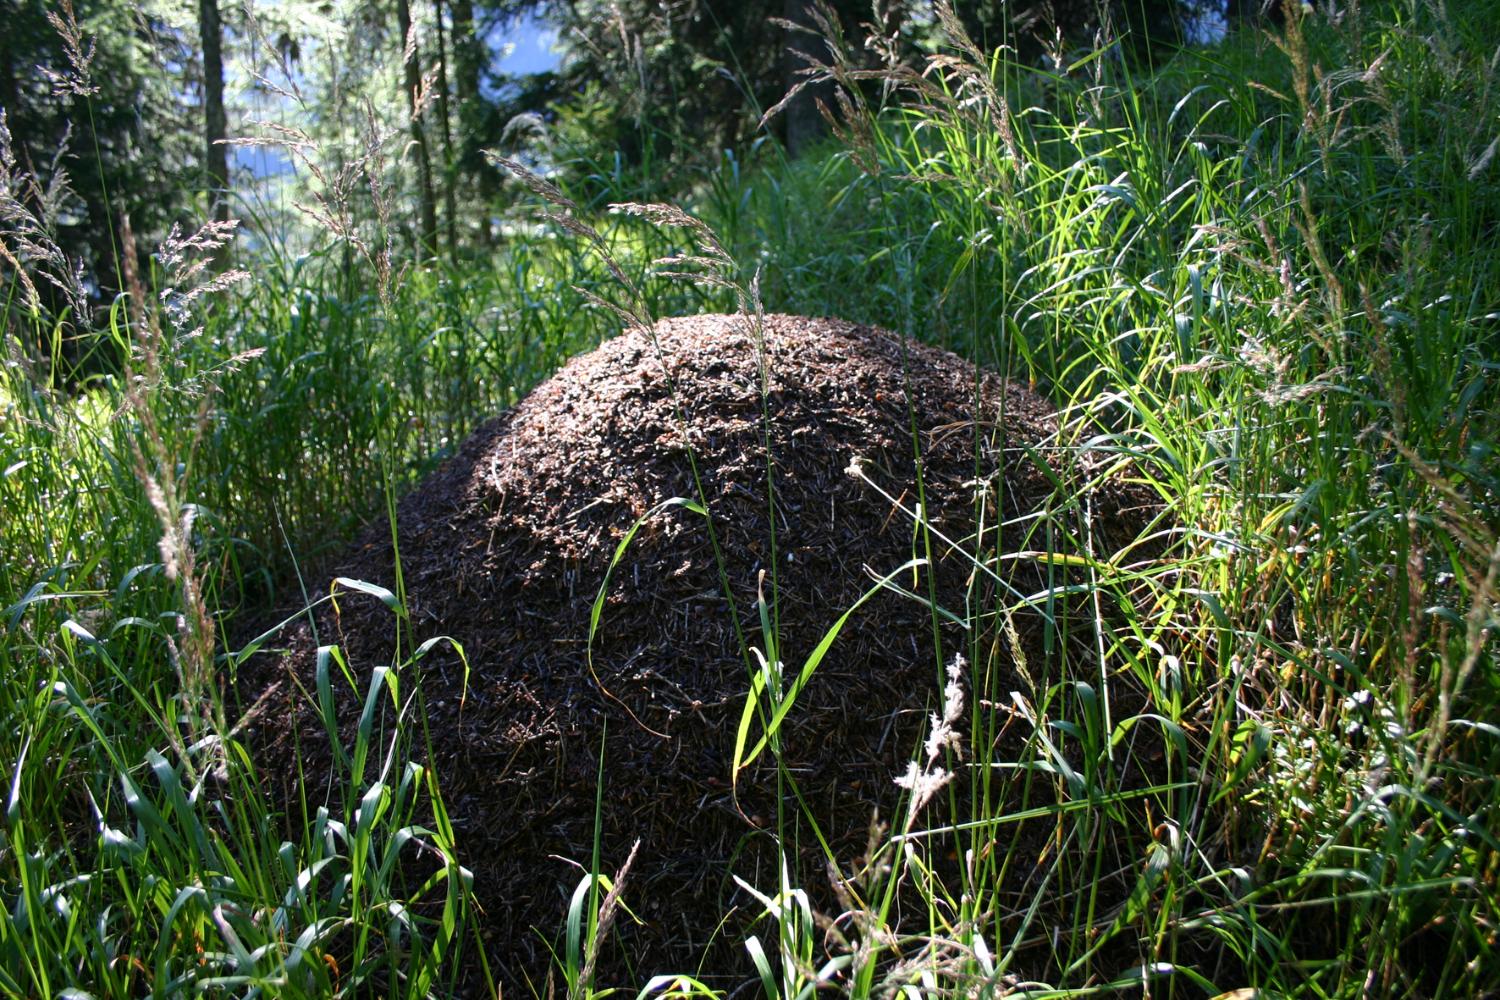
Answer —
1264 282
249 435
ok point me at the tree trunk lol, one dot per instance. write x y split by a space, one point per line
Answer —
467 62
215 153
804 125
450 167
412 80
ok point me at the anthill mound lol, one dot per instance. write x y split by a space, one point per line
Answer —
504 548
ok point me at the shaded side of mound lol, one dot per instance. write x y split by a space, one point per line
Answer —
505 547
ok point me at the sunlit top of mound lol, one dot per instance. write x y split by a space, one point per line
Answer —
612 431
506 547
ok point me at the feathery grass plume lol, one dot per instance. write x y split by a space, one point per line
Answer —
710 265
842 73
566 215
333 192
608 910
151 375
925 779
29 216
156 464
187 259
78 81
424 95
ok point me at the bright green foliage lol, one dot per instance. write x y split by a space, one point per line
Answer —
138 853
74 80
1267 284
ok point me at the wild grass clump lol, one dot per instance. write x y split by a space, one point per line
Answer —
239 429
138 852
1266 285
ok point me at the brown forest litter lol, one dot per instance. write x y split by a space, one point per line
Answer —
505 546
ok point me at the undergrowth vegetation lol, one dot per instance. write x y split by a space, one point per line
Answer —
1263 284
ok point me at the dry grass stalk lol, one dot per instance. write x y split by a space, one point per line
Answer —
78 82
608 910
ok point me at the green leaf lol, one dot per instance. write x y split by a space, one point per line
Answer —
374 590
742 759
